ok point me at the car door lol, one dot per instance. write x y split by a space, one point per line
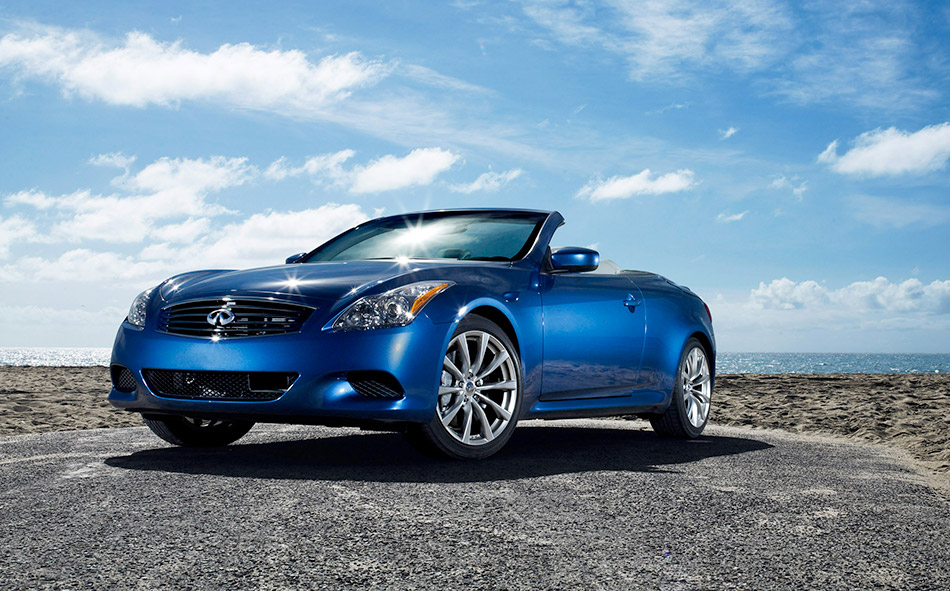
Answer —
593 334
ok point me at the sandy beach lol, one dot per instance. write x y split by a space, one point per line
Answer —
909 411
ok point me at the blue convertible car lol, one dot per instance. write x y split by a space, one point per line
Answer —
447 325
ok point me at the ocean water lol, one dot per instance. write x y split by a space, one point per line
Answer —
726 363
55 356
833 363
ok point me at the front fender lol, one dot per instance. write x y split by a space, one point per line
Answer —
519 316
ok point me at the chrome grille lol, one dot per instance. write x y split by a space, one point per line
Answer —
251 318
218 385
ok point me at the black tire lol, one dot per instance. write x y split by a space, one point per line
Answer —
191 432
435 439
675 422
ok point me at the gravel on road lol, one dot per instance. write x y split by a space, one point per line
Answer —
586 504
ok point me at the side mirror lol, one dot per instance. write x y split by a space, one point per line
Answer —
574 259
295 258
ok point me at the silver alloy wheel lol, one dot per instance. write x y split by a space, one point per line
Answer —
697 387
479 388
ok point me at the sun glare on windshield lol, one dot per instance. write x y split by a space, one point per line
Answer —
418 234
490 236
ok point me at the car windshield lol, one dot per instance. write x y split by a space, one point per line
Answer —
485 236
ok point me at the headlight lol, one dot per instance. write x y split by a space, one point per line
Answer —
139 305
396 307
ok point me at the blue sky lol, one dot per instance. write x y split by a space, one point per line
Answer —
789 162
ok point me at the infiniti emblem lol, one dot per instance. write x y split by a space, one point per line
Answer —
221 317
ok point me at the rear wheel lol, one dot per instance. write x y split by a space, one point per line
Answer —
689 409
194 432
479 397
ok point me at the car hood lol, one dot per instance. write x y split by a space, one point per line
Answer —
306 283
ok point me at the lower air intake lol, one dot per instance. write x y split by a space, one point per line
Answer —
375 384
218 385
122 378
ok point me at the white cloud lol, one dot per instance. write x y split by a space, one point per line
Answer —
564 21
642 183
669 107
270 237
488 181
862 296
33 198
329 165
419 167
195 176
785 294
868 53
113 159
183 232
799 191
163 190
387 173
141 71
260 239
895 213
783 182
169 200
829 154
892 152
671 38
780 183
726 218
434 79
728 133
13 229
876 315
83 265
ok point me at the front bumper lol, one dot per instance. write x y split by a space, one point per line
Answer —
412 354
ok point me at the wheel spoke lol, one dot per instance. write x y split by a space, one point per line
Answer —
482 347
462 346
443 390
500 358
483 419
499 409
467 426
699 381
450 414
696 364
506 385
702 396
447 364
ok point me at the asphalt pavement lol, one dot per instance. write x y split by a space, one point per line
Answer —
567 505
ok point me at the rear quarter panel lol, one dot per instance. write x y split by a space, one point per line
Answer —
672 317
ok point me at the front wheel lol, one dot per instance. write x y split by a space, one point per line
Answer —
479 397
194 432
692 391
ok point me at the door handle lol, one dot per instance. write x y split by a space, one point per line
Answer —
631 302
